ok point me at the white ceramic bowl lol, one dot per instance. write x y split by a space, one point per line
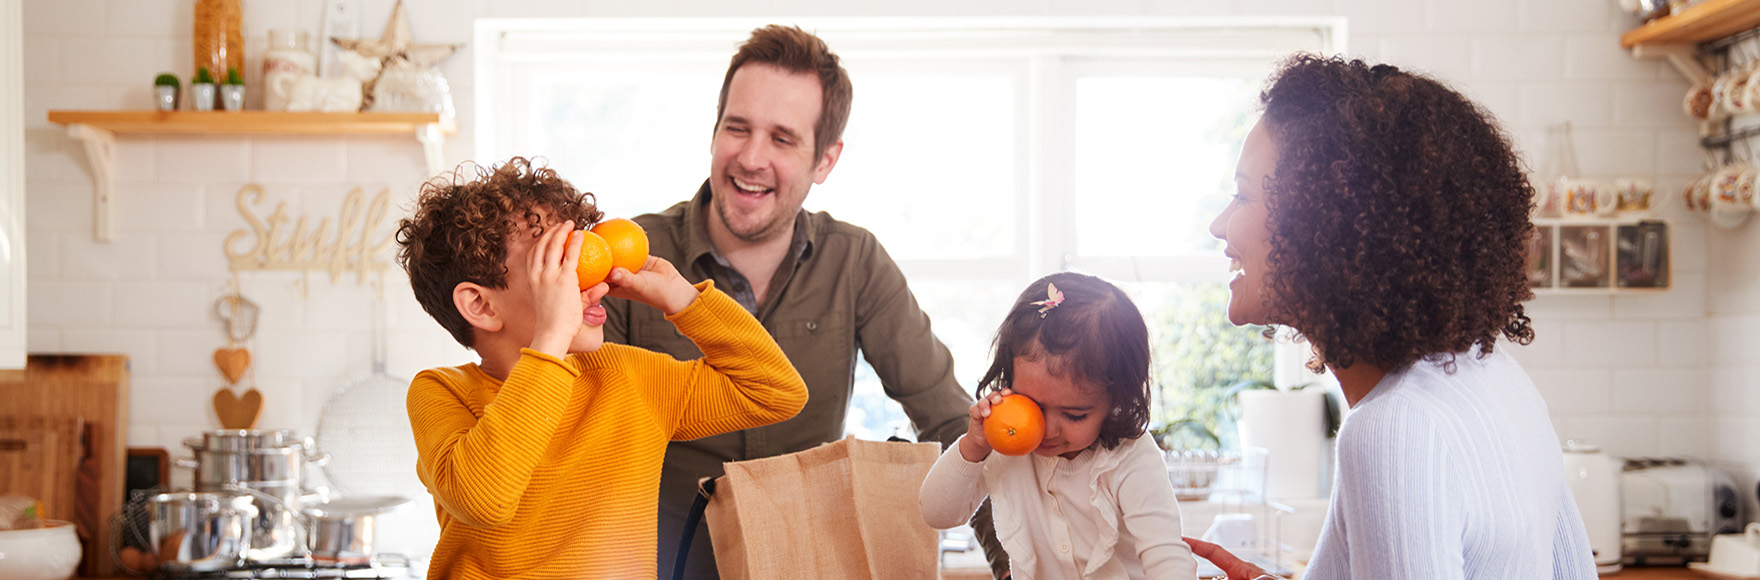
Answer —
47 553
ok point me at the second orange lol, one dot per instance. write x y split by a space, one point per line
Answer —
628 241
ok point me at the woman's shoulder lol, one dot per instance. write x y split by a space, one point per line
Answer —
1447 397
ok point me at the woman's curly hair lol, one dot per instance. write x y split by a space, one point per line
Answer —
460 230
1398 216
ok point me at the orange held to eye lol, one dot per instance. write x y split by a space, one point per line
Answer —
1015 425
595 262
629 243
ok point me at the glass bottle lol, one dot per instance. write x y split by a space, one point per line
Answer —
1559 168
218 36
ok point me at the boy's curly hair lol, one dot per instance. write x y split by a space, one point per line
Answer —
1096 335
1398 216
460 230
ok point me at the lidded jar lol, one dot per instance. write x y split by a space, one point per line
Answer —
289 58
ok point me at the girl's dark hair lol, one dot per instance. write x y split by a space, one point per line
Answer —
1398 216
1095 335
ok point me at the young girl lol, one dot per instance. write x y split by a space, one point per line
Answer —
1093 501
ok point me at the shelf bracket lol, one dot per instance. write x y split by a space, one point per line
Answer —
433 142
100 148
1683 57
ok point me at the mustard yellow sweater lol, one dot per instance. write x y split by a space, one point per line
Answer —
555 472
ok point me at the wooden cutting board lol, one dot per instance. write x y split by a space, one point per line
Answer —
40 458
94 389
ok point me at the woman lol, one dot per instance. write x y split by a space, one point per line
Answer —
1383 216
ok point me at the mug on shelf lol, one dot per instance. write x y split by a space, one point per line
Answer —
1585 197
1734 95
1732 188
1700 101
1632 195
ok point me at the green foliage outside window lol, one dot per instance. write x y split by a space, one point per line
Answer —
1197 356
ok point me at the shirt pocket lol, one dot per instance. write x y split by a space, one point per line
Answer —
817 344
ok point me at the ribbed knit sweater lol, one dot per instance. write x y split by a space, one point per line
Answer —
555 472
1452 475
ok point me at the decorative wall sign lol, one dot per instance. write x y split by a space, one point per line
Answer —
355 244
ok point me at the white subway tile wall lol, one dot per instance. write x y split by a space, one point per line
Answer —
1640 374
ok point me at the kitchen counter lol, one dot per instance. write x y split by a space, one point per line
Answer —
1660 573
1646 573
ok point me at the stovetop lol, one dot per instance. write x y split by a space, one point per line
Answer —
383 566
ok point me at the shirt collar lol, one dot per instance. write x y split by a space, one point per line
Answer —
696 231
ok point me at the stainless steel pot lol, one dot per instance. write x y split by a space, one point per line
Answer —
341 530
271 463
199 532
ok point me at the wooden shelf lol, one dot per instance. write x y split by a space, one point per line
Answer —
254 122
97 131
1706 21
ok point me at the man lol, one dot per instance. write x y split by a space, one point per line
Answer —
823 288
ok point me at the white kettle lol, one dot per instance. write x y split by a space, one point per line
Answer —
1594 481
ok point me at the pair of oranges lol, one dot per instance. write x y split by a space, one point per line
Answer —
614 243
1015 426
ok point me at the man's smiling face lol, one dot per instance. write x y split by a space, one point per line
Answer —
762 160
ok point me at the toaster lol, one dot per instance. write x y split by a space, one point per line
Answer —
1673 507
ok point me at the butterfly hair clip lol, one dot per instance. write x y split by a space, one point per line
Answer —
1053 298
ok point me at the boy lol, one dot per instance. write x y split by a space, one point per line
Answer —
544 459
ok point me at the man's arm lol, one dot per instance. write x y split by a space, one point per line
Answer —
916 370
914 367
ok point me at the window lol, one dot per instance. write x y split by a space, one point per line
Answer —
983 153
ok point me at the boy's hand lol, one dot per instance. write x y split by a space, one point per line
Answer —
974 447
557 300
658 285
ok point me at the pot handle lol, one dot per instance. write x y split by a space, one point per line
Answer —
312 454
297 514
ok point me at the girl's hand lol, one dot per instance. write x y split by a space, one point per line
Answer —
1235 568
557 300
974 447
658 285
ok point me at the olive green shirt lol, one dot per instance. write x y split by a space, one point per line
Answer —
837 292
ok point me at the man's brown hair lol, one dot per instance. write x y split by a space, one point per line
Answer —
800 52
460 231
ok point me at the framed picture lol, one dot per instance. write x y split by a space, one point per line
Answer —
1584 256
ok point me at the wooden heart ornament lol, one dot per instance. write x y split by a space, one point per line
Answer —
232 363
238 412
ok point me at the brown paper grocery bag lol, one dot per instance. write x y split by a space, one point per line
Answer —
845 509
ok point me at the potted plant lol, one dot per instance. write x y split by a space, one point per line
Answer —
232 93
165 89
201 90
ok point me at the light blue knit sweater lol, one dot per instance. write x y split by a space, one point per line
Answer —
1452 475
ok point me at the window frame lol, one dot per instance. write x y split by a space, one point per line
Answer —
1055 52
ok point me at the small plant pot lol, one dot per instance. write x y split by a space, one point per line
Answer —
232 97
165 97
201 96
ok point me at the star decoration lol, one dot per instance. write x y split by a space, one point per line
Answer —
396 48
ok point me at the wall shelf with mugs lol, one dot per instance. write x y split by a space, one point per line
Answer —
97 130
1675 34
1593 236
1599 256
